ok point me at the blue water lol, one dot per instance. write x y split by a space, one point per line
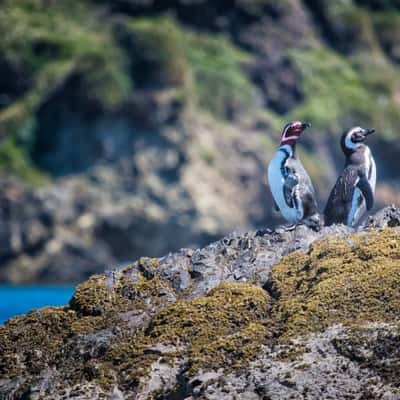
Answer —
16 300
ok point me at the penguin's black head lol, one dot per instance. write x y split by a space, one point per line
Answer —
353 138
292 131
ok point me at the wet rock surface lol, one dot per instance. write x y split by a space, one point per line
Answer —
262 314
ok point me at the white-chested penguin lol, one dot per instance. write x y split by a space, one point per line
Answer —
289 182
354 190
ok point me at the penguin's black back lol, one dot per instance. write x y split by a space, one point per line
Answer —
339 202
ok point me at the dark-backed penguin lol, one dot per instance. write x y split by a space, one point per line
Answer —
289 182
354 190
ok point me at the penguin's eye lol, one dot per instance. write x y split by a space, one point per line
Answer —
295 128
357 137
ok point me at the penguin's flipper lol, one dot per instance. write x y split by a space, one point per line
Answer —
291 182
276 207
366 190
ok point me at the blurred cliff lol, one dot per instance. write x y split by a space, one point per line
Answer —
135 127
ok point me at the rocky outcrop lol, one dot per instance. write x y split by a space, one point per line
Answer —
262 314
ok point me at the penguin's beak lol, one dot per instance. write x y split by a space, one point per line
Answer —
368 132
305 125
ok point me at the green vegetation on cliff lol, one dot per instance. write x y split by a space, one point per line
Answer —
348 73
52 47
208 67
43 44
355 79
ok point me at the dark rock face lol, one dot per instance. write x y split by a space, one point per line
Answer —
272 70
266 314
26 224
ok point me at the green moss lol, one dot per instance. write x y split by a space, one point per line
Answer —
31 343
147 294
158 51
41 337
224 326
143 293
208 66
14 160
341 92
349 281
226 308
351 24
359 88
45 41
220 83
334 91
231 352
92 297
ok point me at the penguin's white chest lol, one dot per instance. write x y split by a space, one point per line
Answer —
276 181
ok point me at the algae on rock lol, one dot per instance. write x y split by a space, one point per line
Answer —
121 328
351 281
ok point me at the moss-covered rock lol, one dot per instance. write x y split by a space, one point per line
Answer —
223 329
130 327
31 343
349 281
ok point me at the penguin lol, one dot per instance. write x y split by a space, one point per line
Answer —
289 182
354 191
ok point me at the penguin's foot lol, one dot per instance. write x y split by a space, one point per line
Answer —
314 222
290 228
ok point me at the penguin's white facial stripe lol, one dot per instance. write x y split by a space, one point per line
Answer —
286 138
349 142
285 131
294 130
